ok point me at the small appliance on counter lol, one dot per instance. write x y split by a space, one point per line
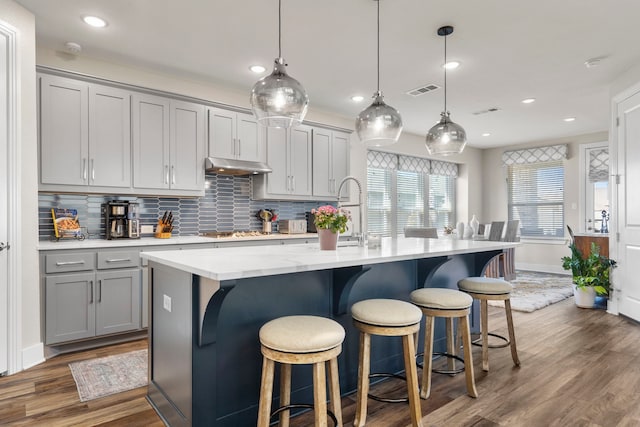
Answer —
122 220
292 226
311 225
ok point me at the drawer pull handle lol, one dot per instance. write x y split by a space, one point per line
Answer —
61 263
119 259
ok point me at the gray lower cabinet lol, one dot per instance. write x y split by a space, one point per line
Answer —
93 302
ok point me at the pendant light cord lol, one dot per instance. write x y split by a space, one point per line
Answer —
378 1
445 74
279 28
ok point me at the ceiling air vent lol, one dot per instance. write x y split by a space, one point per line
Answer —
488 110
423 89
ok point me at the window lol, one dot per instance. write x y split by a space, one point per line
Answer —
405 191
536 198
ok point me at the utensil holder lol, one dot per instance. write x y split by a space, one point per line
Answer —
266 227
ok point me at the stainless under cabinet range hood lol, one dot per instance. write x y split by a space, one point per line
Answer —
235 167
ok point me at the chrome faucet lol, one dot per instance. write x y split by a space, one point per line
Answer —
360 235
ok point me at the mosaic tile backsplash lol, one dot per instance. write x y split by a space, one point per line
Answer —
226 206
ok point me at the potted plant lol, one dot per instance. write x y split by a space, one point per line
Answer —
330 222
590 274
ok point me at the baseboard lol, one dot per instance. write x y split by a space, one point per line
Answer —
543 268
32 355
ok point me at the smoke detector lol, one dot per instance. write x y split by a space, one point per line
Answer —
73 48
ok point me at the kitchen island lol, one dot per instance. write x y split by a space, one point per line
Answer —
207 306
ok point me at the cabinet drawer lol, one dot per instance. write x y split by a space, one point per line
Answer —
60 263
121 259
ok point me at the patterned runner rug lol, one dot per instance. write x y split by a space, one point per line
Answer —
533 291
109 375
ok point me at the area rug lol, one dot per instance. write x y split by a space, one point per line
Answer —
109 375
533 291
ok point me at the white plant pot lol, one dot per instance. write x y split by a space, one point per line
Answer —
585 297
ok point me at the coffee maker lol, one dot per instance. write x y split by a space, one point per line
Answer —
122 220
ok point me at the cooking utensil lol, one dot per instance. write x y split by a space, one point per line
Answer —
265 215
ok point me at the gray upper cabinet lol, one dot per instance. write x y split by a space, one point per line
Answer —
289 155
234 135
85 139
168 146
187 146
330 162
150 142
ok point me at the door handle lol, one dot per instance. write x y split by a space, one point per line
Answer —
93 171
4 246
91 289
173 174
100 290
166 174
239 147
84 168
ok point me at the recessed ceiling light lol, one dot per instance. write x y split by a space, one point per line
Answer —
451 65
94 21
486 134
569 119
528 100
357 98
257 69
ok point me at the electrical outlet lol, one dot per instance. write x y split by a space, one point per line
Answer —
166 303
146 229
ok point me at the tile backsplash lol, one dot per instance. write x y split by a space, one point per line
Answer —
226 206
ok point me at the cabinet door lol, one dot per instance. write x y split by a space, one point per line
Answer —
187 146
222 133
117 298
278 181
150 141
322 177
300 160
340 161
69 307
109 137
64 149
250 145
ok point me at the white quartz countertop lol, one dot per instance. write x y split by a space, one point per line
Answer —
255 261
152 241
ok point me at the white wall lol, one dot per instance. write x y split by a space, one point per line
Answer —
541 256
24 22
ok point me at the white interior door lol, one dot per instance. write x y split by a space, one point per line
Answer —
628 207
4 222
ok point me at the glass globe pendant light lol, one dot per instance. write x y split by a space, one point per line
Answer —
278 100
446 137
379 124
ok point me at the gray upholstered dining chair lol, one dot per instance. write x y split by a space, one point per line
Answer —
425 232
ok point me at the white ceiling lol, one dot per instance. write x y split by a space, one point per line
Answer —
509 50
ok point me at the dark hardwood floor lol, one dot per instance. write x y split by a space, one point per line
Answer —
580 367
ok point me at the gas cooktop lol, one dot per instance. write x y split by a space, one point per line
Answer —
233 234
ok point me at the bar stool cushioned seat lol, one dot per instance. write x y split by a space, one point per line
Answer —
387 317
491 289
449 304
297 340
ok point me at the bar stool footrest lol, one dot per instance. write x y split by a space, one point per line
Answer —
443 371
303 406
384 399
507 343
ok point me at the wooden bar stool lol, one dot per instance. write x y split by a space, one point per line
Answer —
491 289
450 304
392 318
299 340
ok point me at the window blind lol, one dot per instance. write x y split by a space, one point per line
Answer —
405 191
536 198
